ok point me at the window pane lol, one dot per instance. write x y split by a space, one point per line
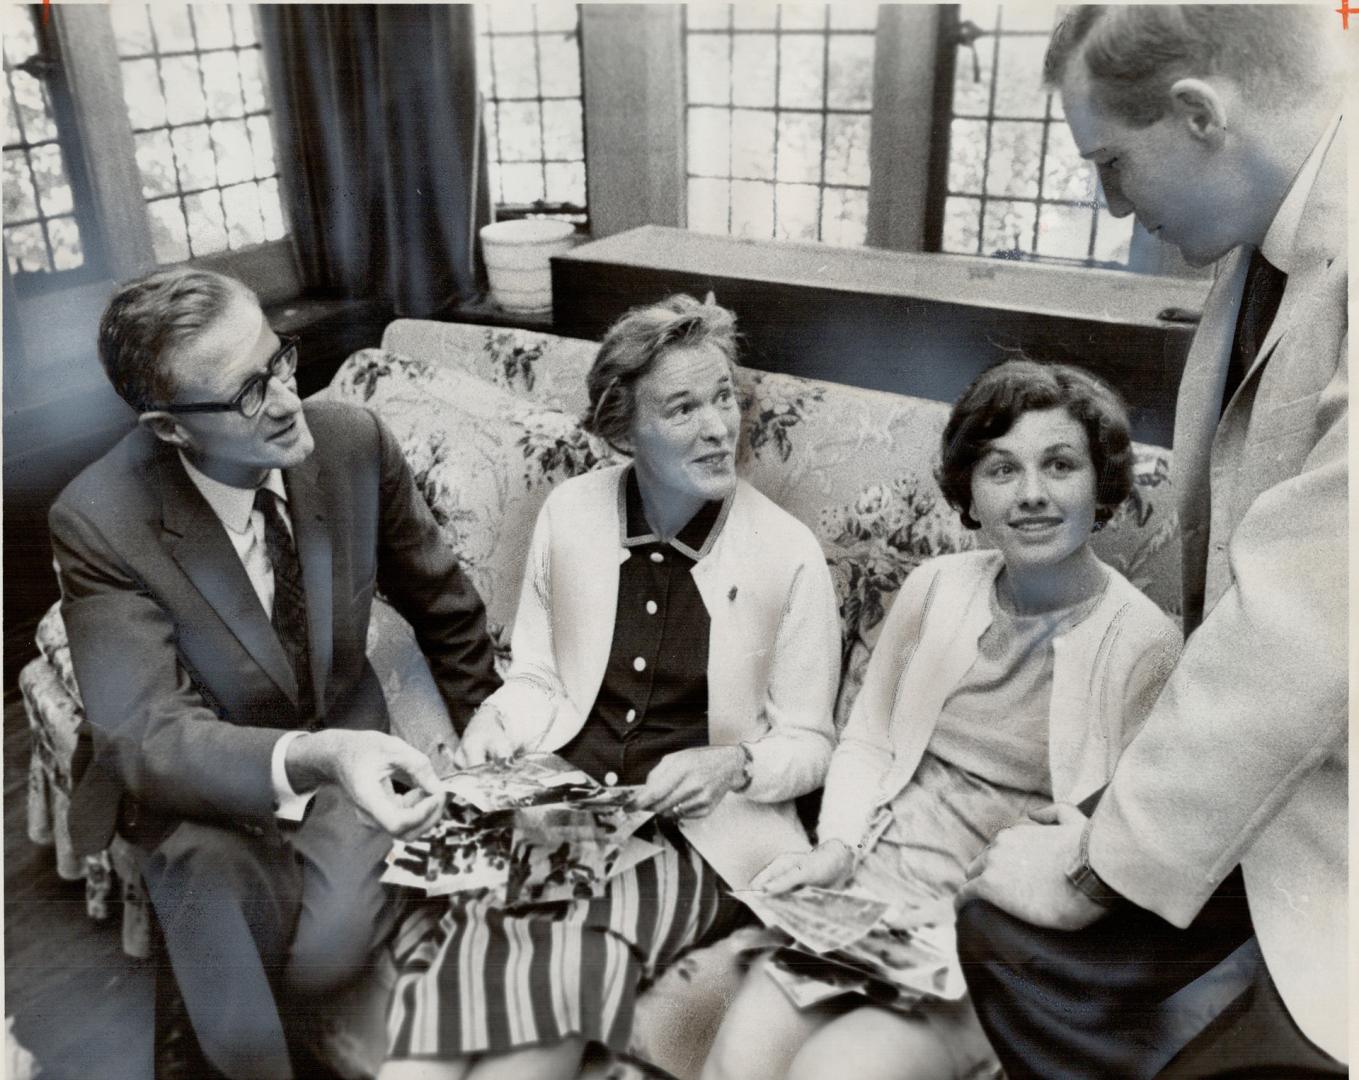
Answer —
801 63
966 156
1007 226
851 72
1064 231
212 26
563 125
1016 149
972 79
962 225
222 80
800 147
802 16
565 182
752 144
231 149
169 237
754 15
252 81
520 132
752 209
797 211
559 56
207 228
243 21
556 16
853 16
1019 81
35 113
12 132
1113 238
49 173
708 201
21 39
709 69
261 145
847 150
1032 16
1065 174
709 143
171 24
20 201
244 221
752 59
273 213
64 235
142 93
193 157
184 100
516 75
26 249
510 18
844 216
131 30
155 160
708 17
521 184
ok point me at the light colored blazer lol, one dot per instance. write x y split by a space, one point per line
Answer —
1107 671
773 654
1244 758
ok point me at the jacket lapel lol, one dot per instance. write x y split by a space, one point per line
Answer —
312 535
197 541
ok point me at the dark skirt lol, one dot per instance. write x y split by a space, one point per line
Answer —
476 978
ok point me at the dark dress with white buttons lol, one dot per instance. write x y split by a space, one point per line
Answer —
476 978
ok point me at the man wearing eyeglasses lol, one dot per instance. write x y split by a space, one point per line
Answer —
217 569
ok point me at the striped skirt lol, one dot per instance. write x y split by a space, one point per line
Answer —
477 979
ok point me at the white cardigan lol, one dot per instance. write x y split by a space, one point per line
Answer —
773 654
1107 672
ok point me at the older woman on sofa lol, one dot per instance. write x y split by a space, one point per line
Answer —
675 630
1004 679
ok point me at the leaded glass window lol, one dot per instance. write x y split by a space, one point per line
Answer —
1017 187
194 85
528 68
778 110
44 234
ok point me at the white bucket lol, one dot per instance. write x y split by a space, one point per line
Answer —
517 254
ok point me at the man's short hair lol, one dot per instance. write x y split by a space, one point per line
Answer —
633 345
1001 395
1135 53
149 319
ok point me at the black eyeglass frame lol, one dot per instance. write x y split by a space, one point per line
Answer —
289 343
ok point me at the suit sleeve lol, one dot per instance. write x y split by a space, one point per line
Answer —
153 727
420 573
1257 701
791 757
864 754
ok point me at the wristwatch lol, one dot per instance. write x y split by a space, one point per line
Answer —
1083 877
745 768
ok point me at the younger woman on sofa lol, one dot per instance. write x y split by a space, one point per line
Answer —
675 630
1004 680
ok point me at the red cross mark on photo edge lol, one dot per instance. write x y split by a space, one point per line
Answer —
1344 11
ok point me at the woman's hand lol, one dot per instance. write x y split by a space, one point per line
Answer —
827 865
485 740
691 782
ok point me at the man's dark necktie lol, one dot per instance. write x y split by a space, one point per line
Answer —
1259 304
289 617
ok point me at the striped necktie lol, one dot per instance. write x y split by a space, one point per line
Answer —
289 617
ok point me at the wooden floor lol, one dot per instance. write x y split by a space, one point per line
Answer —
80 1006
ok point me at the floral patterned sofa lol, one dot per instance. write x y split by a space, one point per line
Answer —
488 420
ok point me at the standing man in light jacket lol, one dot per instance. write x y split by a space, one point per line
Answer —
1220 128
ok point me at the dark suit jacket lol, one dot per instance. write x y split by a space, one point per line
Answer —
185 684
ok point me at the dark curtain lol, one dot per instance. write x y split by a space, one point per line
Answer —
374 114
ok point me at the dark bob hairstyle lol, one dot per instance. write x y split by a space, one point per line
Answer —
633 345
999 396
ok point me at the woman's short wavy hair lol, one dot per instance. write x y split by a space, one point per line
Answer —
633 345
1001 395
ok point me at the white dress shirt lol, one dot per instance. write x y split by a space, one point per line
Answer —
244 525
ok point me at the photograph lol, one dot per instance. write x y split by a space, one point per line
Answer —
676 541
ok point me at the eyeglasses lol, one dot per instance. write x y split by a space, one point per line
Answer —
249 400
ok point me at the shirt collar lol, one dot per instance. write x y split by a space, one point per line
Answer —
232 505
1278 244
693 541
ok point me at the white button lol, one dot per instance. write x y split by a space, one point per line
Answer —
639 664
632 715
611 778
651 607
656 556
